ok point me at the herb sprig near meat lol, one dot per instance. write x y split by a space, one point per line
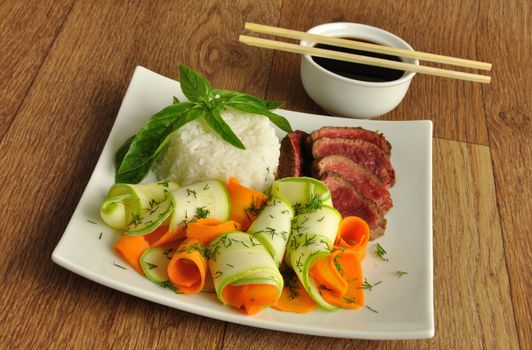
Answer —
136 156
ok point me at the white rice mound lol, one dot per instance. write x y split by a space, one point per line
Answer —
195 153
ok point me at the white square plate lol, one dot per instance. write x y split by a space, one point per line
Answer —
403 305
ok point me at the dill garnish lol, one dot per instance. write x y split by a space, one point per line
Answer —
369 286
120 266
169 285
290 282
380 252
150 265
337 265
192 192
254 209
371 309
401 273
100 236
92 222
202 213
136 218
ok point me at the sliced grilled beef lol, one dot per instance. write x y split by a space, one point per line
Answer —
353 133
294 159
360 151
362 180
349 202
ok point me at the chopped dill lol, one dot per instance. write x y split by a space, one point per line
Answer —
290 282
120 266
369 286
254 209
380 252
136 218
202 213
100 236
371 309
314 204
192 192
338 266
169 285
150 265
401 273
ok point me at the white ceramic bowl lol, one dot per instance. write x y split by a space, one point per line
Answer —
347 97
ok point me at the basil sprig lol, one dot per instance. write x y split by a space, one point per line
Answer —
136 156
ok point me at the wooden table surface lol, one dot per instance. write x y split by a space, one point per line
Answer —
64 69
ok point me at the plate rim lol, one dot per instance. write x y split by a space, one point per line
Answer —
425 332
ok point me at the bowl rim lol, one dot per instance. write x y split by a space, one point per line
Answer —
317 30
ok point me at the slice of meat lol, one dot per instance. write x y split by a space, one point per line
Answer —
294 157
362 152
349 202
362 180
376 138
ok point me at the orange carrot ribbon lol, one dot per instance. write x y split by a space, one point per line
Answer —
349 266
205 230
250 298
245 203
295 298
132 248
353 234
187 269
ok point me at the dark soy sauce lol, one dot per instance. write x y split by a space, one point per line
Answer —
359 71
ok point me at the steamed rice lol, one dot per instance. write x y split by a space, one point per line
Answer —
195 153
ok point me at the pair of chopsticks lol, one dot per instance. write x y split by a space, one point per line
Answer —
352 44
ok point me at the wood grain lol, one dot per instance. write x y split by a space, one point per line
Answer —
432 27
508 109
24 48
467 233
54 142
64 71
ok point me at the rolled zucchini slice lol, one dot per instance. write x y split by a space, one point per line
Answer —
126 202
312 238
272 227
200 200
239 259
301 191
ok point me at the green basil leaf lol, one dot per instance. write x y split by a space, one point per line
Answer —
122 151
248 100
149 142
281 122
136 175
175 100
191 114
273 104
195 87
239 97
225 94
215 121
278 120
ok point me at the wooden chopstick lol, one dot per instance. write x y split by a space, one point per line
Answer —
372 61
352 44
